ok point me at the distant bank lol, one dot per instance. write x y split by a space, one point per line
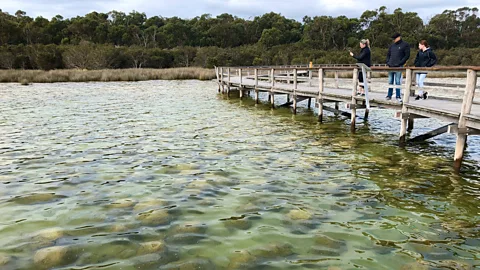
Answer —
106 75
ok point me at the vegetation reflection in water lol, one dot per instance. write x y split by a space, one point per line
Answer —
167 175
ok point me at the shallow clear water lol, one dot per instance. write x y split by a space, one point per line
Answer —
170 175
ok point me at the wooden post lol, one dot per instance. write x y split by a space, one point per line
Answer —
240 75
256 86
321 85
295 79
462 122
310 75
218 78
221 79
369 79
240 85
288 77
272 81
353 118
294 91
336 79
228 78
406 99
410 124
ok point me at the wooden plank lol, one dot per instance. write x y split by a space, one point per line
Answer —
295 77
329 109
406 99
400 115
310 75
221 79
336 79
272 82
321 86
466 108
351 106
430 134
354 92
454 129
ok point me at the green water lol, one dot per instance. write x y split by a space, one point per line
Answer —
170 175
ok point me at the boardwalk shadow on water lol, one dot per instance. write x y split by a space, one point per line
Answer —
129 176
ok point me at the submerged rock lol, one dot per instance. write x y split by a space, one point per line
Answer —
298 214
190 227
239 224
151 247
49 235
154 260
198 185
149 205
4 259
415 266
118 228
188 233
273 251
53 257
325 241
248 208
192 264
241 260
35 198
120 249
154 217
328 252
122 203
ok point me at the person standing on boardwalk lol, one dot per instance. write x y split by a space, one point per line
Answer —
397 56
365 58
425 58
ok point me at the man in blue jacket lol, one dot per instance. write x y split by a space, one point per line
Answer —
397 56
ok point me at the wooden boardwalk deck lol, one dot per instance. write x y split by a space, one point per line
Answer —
444 109
462 113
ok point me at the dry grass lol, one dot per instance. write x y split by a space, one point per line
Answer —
106 75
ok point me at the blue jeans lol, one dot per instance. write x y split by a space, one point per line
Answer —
420 78
397 77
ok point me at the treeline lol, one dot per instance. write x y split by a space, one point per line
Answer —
119 40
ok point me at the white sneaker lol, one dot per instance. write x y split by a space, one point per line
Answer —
399 100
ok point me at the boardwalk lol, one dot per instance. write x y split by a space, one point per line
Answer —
309 83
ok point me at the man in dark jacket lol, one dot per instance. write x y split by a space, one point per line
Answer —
397 56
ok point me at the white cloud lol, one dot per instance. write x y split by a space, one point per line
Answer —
242 8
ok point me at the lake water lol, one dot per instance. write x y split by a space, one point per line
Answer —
171 175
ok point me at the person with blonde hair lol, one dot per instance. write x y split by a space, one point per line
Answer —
364 57
425 58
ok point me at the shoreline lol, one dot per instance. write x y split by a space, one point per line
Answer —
25 77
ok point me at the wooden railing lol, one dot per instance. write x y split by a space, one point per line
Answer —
301 74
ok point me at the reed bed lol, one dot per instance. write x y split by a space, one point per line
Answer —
107 75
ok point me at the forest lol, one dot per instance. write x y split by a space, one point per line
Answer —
117 40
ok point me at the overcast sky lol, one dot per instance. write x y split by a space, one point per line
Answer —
295 9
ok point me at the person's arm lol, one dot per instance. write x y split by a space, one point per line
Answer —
406 55
361 55
432 59
416 60
388 54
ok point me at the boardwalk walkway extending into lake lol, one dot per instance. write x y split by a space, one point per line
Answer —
306 83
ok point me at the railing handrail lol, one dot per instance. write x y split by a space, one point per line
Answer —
373 68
